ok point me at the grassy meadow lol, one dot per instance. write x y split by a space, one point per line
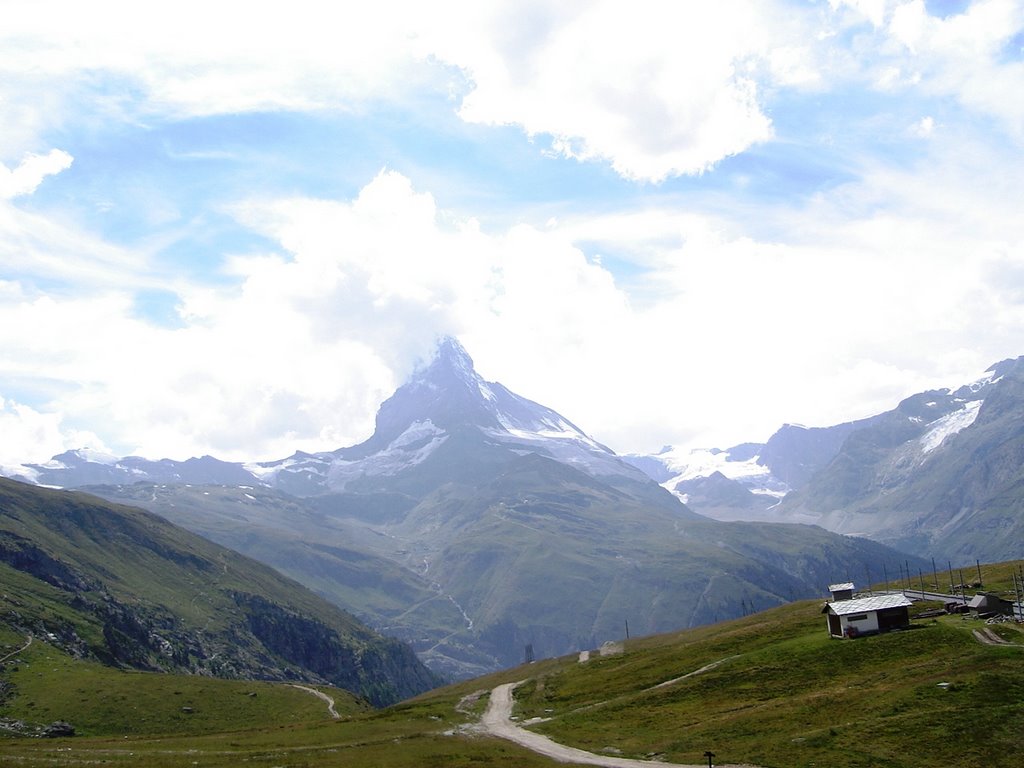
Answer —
780 693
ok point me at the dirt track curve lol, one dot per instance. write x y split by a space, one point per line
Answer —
320 695
497 722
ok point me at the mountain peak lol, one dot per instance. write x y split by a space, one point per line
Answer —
451 364
451 353
448 396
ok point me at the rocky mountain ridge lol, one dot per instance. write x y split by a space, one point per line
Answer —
444 398
475 523
934 476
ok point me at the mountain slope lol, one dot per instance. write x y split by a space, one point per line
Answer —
935 476
941 474
747 481
541 536
505 526
768 689
331 544
128 588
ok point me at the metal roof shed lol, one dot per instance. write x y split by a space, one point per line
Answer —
985 603
868 615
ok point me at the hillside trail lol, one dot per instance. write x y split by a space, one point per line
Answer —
28 642
497 722
320 695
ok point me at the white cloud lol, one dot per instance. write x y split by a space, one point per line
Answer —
204 58
879 289
924 127
873 10
301 352
655 89
32 436
962 55
866 292
39 247
74 66
24 179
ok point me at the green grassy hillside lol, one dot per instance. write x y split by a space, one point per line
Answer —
126 588
776 691
43 684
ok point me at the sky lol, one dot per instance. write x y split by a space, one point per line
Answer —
235 228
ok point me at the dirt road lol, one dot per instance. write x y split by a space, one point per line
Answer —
989 637
496 721
322 696
28 642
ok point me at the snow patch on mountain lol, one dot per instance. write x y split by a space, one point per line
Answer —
990 377
95 456
545 429
266 473
485 391
949 425
410 448
740 464
567 445
80 456
689 464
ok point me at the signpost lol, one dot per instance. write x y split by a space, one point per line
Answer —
709 755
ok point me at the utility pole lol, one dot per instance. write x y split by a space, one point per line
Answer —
981 581
963 586
627 629
920 577
1021 600
951 590
1016 594
935 575
885 573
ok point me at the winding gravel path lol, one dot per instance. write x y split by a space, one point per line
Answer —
28 642
320 695
496 721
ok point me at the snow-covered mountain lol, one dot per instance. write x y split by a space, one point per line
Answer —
86 466
730 484
847 477
942 474
474 522
447 397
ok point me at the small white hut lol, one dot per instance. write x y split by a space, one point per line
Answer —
867 615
